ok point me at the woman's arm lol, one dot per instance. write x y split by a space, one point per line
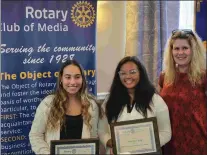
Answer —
104 131
38 129
163 119
103 127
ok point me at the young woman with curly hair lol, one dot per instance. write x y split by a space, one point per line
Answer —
70 113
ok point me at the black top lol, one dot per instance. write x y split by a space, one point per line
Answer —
73 127
130 107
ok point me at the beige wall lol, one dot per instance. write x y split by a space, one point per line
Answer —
110 41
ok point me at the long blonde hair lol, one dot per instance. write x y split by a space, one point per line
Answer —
58 109
197 64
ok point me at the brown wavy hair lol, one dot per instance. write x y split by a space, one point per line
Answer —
197 67
58 109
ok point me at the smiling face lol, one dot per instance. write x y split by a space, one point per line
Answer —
129 75
72 79
181 52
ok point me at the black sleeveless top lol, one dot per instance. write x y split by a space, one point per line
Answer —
73 127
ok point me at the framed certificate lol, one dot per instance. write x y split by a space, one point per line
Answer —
136 137
79 146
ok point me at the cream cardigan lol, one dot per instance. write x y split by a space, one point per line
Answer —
39 136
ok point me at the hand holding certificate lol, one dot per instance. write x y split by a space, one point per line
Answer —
136 137
81 146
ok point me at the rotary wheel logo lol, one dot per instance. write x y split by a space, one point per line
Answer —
83 14
74 151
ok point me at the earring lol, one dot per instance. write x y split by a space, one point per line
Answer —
176 65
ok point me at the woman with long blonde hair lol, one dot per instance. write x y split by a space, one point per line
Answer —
70 113
183 87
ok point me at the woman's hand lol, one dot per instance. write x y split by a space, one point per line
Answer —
111 151
109 144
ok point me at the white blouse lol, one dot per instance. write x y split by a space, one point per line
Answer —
159 110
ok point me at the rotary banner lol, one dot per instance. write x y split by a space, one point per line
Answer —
201 19
37 37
